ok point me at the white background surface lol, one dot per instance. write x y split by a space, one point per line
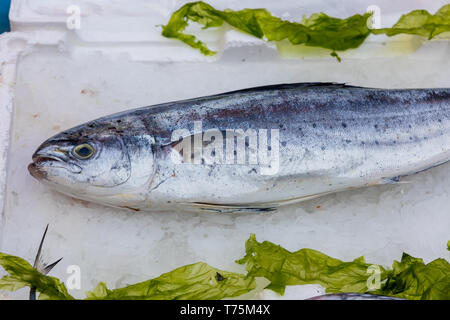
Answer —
77 78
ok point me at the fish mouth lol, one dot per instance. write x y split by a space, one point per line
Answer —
45 158
35 170
42 162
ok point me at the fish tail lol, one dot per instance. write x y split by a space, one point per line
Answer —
40 266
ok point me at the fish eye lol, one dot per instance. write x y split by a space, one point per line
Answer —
83 151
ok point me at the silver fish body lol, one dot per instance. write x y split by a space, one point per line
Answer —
250 150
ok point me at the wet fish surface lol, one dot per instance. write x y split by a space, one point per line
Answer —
353 296
251 150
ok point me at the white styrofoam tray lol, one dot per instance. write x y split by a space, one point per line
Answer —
53 78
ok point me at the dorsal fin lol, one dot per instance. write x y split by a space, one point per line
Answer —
290 86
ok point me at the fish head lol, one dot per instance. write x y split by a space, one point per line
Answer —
94 160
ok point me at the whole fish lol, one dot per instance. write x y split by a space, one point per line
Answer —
250 150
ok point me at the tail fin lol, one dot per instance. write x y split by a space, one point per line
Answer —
40 265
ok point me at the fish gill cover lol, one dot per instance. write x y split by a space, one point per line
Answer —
409 278
318 30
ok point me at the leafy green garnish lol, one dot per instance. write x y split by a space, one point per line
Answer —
409 279
319 30
412 279
197 281
448 245
421 22
305 266
22 274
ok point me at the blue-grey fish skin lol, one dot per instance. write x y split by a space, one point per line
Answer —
332 137
353 296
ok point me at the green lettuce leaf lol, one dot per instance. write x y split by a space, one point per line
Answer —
319 30
414 280
197 281
22 274
409 279
420 22
306 266
448 245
